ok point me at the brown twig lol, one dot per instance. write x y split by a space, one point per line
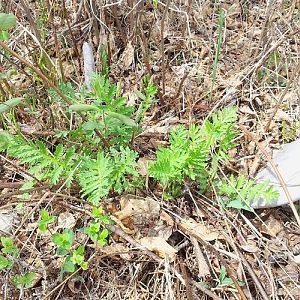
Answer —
33 24
145 50
19 168
253 275
186 73
212 249
10 185
56 43
71 33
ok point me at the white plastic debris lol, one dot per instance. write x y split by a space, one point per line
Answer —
287 161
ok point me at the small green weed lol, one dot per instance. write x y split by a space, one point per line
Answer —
24 281
224 280
45 220
289 131
7 22
8 260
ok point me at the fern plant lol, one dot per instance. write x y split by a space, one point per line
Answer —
194 153
97 173
43 164
240 192
80 156
107 112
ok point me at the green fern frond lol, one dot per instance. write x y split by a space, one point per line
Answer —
124 165
179 138
241 191
219 131
168 166
103 89
42 163
5 140
36 155
194 153
95 177
67 89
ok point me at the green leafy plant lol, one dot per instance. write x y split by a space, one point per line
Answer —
8 247
7 105
7 21
64 241
194 153
10 252
97 214
97 233
81 156
5 263
44 164
147 97
289 131
78 258
241 191
224 280
45 220
26 280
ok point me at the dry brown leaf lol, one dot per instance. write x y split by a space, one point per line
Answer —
203 268
131 206
117 248
200 230
282 116
74 284
7 220
254 165
121 225
66 220
159 246
143 166
251 248
167 218
247 110
272 226
127 56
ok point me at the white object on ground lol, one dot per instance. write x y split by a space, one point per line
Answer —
287 161
6 221
89 64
